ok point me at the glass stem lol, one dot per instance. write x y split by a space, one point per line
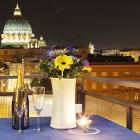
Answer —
20 124
38 121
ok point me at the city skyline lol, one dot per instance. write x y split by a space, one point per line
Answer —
106 24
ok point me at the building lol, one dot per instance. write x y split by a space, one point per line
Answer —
15 55
18 33
35 43
135 54
18 40
110 52
91 48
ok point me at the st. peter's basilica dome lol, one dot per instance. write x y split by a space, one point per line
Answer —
17 31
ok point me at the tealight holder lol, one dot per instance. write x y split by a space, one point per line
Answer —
84 124
84 127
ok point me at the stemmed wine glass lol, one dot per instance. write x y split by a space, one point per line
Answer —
20 105
38 96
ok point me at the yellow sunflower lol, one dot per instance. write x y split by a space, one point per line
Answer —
63 62
87 68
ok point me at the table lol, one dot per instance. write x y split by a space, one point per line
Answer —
109 131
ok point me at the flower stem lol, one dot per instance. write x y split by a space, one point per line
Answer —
62 73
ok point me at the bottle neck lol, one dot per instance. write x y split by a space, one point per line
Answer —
20 78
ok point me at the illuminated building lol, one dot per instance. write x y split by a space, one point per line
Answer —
91 48
133 53
17 32
41 42
110 52
35 43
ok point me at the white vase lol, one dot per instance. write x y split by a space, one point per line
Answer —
63 111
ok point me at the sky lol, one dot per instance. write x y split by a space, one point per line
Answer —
105 23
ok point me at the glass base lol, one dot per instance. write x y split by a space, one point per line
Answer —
37 130
90 131
19 132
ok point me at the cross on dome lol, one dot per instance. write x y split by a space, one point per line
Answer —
17 11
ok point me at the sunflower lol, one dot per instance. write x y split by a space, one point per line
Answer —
63 62
87 68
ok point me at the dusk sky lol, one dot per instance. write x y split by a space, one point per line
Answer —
105 23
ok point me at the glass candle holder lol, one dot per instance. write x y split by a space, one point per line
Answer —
84 124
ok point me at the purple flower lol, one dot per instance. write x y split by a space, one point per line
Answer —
70 49
50 53
85 62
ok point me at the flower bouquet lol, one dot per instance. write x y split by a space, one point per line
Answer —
64 63
63 67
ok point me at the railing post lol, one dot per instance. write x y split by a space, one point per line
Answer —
83 96
129 117
80 96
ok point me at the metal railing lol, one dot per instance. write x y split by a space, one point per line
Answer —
119 82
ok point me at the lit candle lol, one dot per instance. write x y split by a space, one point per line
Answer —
84 123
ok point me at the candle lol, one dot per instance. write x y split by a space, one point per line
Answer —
84 123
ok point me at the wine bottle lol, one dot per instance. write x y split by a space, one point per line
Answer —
20 86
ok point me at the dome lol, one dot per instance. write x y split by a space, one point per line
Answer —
17 26
17 31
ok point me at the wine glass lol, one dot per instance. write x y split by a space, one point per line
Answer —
38 96
20 105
